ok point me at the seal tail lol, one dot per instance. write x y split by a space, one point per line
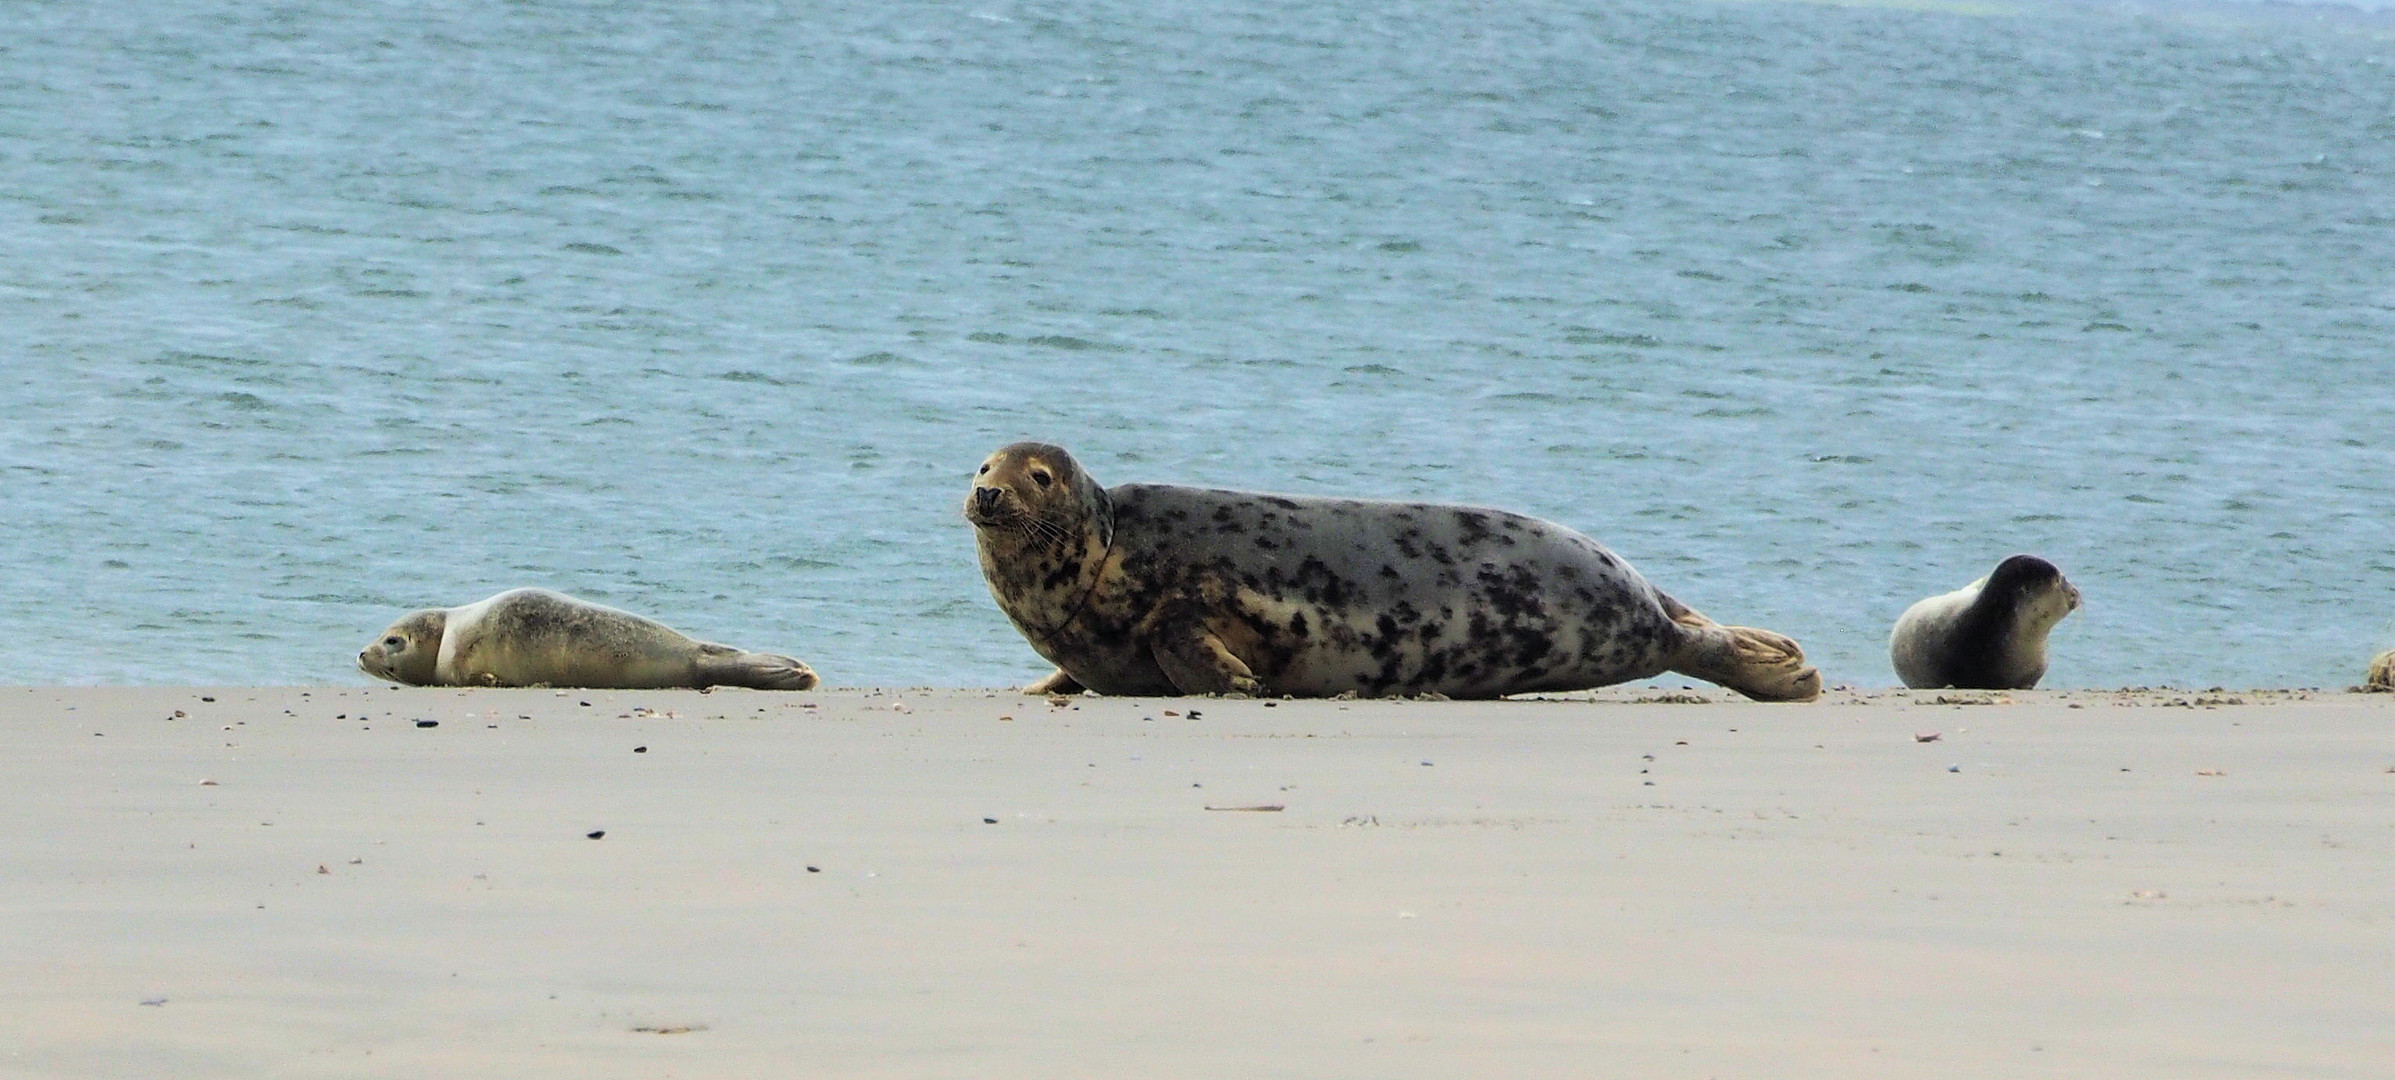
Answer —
1758 663
722 665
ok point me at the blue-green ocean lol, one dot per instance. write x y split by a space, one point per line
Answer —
315 312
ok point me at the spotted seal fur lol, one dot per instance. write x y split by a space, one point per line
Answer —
1159 589
1988 635
2382 673
534 637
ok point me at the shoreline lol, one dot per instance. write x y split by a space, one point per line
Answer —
983 883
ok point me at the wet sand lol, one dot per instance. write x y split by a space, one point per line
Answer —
309 882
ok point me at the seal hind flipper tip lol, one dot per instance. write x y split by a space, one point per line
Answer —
1757 663
757 671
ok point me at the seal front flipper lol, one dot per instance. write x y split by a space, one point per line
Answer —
1191 649
1057 682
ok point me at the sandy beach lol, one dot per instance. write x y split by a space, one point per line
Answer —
388 882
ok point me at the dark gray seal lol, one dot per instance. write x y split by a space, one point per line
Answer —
1988 635
1155 589
534 637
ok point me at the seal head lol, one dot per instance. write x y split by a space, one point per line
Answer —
1161 589
1988 635
409 651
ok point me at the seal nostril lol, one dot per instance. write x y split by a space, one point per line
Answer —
986 498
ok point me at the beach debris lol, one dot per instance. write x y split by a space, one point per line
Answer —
814 869
156 1001
596 834
2211 772
1263 808
1969 699
428 723
1169 712
1193 714
321 869
1673 699
2148 895
1926 736
989 821
1954 768
640 749
210 699
668 1029
212 783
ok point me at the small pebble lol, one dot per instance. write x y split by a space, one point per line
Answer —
814 869
428 723
596 833
640 749
989 821
1954 768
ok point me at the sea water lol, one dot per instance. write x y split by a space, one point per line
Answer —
312 313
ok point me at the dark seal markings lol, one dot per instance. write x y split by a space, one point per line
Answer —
1126 593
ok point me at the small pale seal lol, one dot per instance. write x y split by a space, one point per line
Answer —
1158 589
1987 635
2382 673
534 637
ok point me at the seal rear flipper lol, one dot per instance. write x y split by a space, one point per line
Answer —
1758 663
722 665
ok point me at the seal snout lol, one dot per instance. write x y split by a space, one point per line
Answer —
987 505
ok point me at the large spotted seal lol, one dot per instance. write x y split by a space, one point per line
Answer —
1156 589
2382 673
1988 635
534 637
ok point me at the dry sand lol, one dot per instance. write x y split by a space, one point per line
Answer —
305 882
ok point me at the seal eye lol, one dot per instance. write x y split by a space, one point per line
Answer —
984 470
1041 477
394 642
